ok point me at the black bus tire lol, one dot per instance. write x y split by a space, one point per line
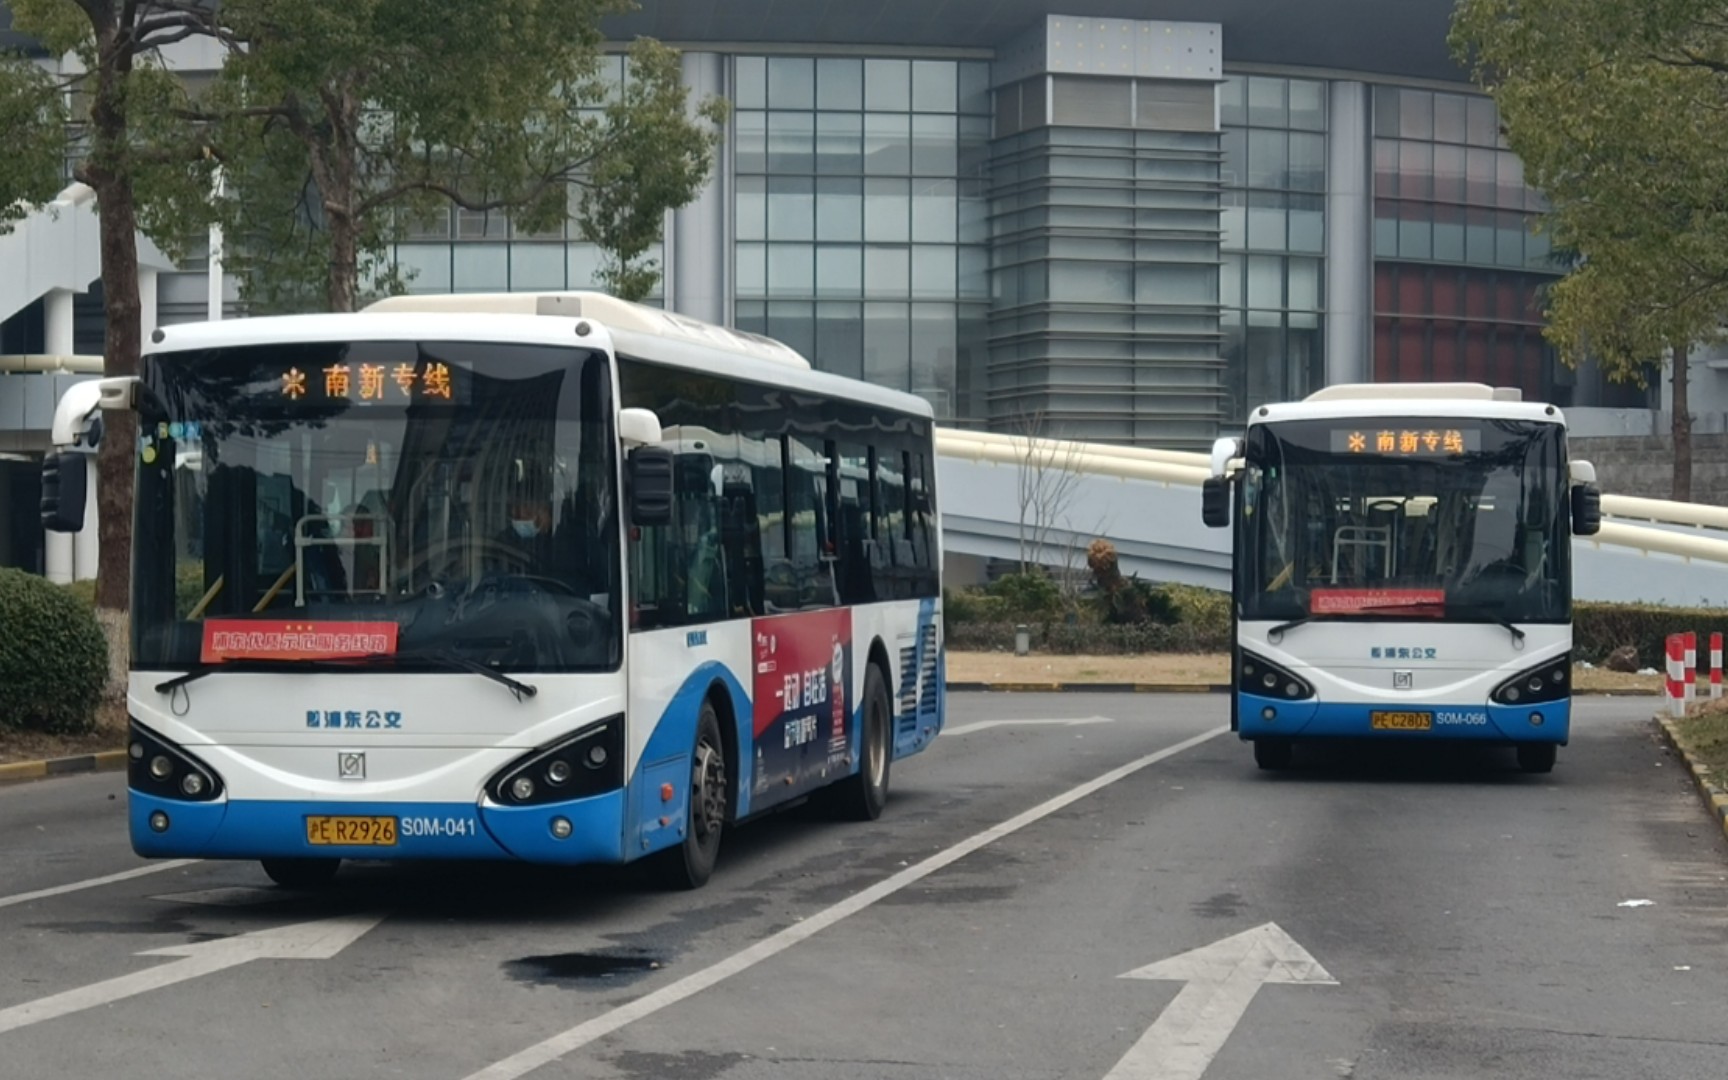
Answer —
861 796
1273 754
301 873
690 863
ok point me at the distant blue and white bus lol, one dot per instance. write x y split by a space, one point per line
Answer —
1402 568
549 578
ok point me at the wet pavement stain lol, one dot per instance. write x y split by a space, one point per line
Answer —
690 1065
581 969
1222 906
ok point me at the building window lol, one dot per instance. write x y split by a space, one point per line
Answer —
1274 239
862 179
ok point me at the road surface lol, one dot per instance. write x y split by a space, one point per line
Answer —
1449 917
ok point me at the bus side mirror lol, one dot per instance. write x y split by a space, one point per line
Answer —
1215 502
1586 510
651 473
64 476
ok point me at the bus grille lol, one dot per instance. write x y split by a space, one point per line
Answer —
918 682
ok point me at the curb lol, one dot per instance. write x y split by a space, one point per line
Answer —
1715 799
106 761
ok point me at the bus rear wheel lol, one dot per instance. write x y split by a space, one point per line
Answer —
302 873
1537 757
690 863
1273 754
861 796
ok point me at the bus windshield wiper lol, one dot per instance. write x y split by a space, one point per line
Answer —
453 661
444 658
1488 614
1277 632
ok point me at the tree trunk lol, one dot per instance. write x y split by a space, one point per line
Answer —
1682 426
340 182
117 218
344 262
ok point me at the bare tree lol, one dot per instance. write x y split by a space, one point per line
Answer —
1048 482
1075 572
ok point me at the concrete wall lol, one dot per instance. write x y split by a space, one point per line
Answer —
1644 465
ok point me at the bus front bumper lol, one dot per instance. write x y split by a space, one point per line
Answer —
265 829
1270 718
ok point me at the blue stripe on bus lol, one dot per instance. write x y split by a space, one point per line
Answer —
909 740
1478 722
254 829
666 760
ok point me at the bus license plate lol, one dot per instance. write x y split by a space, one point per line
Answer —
1401 721
351 831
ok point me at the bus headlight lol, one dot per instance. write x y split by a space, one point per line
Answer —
1262 678
1548 681
586 763
157 767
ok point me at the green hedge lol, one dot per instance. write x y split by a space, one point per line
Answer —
52 656
1090 639
975 623
1599 629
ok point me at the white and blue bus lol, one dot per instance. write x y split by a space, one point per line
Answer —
1402 568
551 578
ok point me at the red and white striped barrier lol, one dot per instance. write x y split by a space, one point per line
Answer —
1715 665
1676 675
1691 666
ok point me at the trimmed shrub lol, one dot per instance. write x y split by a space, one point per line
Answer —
1030 597
970 606
1092 640
1206 610
1599 629
52 656
82 591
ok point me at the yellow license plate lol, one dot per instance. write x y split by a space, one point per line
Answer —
1401 721
337 831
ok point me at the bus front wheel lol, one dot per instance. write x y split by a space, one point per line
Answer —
302 873
690 863
1536 757
1272 754
861 796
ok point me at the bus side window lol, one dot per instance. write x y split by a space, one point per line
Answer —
856 533
893 550
810 536
921 516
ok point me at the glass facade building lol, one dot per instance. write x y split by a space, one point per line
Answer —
1085 221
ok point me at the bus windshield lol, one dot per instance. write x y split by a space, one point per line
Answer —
1404 518
460 496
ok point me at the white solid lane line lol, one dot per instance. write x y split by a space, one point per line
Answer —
78 886
544 1053
986 725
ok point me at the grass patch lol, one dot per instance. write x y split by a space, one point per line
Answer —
1705 734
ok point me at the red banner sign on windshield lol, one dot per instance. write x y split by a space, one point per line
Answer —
288 639
1426 603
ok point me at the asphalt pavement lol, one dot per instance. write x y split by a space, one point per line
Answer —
1409 915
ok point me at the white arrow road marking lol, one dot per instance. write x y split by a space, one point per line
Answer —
1222 980
319 940
967 729
550 1050
126 875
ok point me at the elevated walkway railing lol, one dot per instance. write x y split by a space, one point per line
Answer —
1648 526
